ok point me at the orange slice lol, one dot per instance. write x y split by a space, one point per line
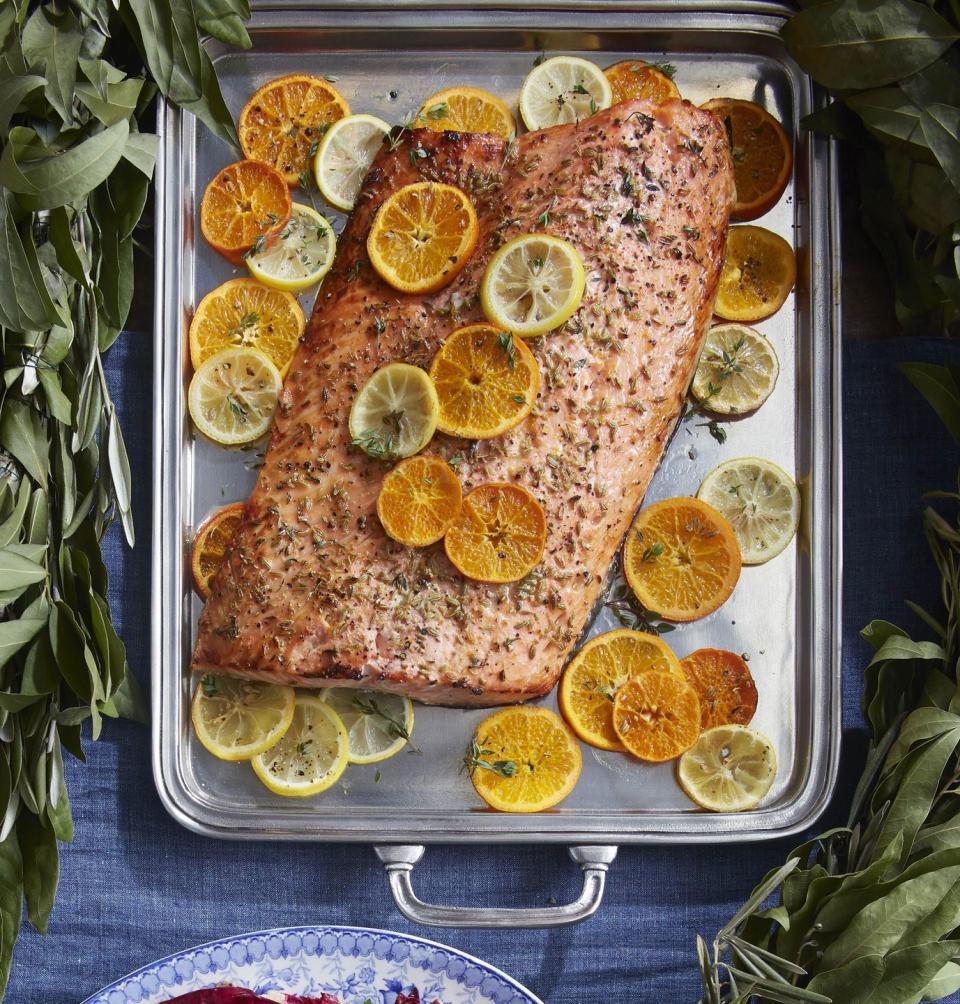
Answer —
724 684
283 122
633 78
523 759
762 157
657 716
243 312
210 545
487 382
681 559
597 672
422 236
499 535
245 205
759 270
419 500
466 109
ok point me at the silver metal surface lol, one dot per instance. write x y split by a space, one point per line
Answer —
784 615
398 862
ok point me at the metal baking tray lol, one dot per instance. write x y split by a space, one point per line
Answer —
785 614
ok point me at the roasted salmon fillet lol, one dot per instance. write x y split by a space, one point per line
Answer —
312 591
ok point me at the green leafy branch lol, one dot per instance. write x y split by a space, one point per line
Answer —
75 172
892 69
869 912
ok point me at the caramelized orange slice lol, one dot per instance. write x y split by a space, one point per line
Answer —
283 122
762 156
759 270
722 680
633 78
210 545
523 759
419 500
245 205
467 109
422 236
657 716
597 672
681 559
499 535
486 380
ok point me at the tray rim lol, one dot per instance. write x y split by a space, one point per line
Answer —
461 826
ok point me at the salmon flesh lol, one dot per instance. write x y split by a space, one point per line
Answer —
313 592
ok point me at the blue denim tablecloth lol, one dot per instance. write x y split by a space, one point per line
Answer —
136 886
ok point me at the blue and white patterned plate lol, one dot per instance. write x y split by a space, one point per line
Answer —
355 964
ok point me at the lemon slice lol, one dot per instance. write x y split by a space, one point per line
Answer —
233 395
395 414
563 89
533 284
737 372
300 256
344 157
728 769
378 725
312 754
237 719
760 501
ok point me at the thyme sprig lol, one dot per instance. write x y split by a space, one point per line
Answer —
474 760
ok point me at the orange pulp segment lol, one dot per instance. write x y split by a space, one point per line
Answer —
724 684
466 109
210 545
633 78
759 270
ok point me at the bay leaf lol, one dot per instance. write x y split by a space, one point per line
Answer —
883 922
920 725
916 793
936 924
17 702
852 983
848 46
130 700
934 201
878 631
941 130
52 40
888 112
12 95
36 527
11 526
938 82
141 153
58 404
40 673
11 902
68 177
169 43
25 304
940 389
120 475
117 104
14 634
61 817
945 983
224 20
70 253
22 435
68 644
41 868
908 971
211 108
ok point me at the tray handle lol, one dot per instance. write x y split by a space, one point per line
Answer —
399 859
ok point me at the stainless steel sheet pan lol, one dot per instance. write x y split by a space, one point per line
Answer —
784 615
